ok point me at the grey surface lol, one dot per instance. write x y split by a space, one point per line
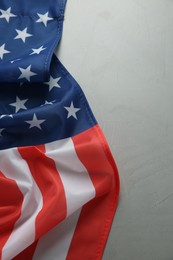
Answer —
121 53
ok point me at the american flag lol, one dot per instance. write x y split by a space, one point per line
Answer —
59 184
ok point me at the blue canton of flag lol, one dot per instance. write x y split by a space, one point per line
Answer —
54 159
42 112
31 30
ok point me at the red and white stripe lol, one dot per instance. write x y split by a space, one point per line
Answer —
23 234
67 194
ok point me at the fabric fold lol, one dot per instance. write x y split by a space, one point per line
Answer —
59 184
31 31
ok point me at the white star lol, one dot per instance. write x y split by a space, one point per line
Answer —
6 14
19 104
35 122
37 51
2 116
3 51
12 61
26 73
53 82
48 102
43 18
72 111
22 34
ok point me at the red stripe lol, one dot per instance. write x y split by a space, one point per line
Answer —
96 217
28 253
44 172
11 200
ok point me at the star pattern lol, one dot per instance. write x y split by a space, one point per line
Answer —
19 104
53 83
37 51
3 51
22 34
26 73
26 107
6 14
35 122
44 18
72 110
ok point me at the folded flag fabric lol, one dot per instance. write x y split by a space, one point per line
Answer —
59 184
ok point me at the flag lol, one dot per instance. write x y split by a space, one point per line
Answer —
59 184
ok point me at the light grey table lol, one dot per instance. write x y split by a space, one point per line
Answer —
121 53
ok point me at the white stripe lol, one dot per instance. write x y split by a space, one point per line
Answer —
23 234
55 244
77 184
78 190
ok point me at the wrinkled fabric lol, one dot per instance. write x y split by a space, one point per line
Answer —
59 184
41 22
